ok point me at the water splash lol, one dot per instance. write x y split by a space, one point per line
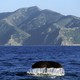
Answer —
47 71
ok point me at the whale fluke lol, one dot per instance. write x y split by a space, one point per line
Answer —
51 68
46 64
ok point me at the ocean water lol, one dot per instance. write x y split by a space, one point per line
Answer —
15 61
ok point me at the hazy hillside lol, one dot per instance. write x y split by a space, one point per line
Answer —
33 26
3 15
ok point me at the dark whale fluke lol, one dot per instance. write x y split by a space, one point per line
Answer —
47 68
46 64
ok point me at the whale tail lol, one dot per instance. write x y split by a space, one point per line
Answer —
47 68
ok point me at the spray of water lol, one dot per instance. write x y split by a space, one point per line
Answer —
47 71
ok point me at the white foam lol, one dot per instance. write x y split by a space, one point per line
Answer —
47 71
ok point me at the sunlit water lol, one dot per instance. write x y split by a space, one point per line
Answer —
15 61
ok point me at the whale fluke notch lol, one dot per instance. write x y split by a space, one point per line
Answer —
46 64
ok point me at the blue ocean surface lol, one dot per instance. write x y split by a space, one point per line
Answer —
15 61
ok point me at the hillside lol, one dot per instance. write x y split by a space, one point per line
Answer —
33 26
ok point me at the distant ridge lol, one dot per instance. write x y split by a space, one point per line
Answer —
33 26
